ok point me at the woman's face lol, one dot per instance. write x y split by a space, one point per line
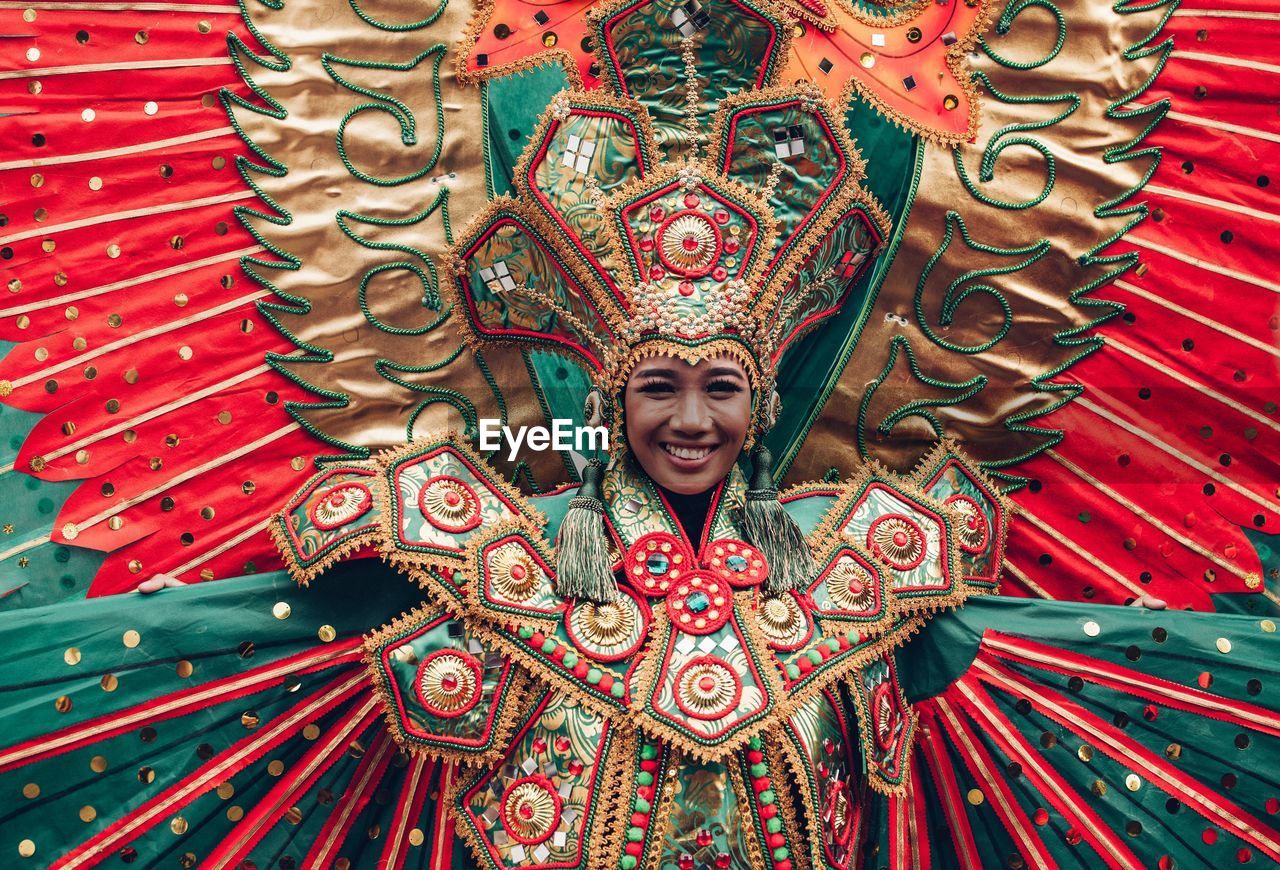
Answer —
686 424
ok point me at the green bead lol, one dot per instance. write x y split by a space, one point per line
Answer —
773 825
570 659
628 862
833 644
594 675
617 689
644 777
853 637
642 806
525 632
781 853
814 656
648 752
793 672
767 796
759 770
635 835
756 743
549 646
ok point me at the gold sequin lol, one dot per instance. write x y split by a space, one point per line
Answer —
27 848
114 320
15 286
204 26
249 719
141 37
151 107
146 775
62 704
297 463
134 566
185 353
327 633
178 825
416 837
71 656
28 15
113 251
95 183
131 376
281 610
206 512
98 763
109 683
34 88
88 115
224 417
31 791
219 162
1092 629
949 102
185 669
311 732
293 815
181 300
1268 626
115 523
975 797
1132 782
1224 645
131 638
80 344
1085 752
235 814
88 813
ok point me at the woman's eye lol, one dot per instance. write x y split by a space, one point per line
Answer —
727 387
657 387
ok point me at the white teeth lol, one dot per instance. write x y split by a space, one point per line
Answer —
687 452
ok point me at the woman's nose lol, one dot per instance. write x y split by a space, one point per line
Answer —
690 413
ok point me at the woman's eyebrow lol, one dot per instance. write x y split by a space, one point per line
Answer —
655 373
723 371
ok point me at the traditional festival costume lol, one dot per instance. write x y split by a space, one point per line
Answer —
825 678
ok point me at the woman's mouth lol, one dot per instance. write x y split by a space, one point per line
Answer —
688 452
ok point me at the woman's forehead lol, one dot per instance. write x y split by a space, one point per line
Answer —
672 367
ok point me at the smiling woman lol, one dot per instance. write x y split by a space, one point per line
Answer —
686 423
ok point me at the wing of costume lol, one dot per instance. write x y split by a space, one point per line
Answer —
917 226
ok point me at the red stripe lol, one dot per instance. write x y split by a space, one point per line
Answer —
1163 692
217 770
1134 756
353 801
271 808
186 701
900 836
443 831
413 795
944 780
991 775
1059 793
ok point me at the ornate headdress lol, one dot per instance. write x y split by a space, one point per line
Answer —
606 254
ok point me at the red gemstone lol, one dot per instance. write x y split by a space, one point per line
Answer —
704 838
657 274
1042 817
691 200
719 273
1273 806
723 860
828 745
449 683
686 861
657 213
1210 836
731 246
900 539
707 684
563 743
722 217
686 288
525 811
518 572
539 745
690 243
452 498
855 587
646 244
575 767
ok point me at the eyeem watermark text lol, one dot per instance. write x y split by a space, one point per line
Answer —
563 435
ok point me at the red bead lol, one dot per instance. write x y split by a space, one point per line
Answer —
657 273
539 745
646 792
722 217
691 200
558 652
804 664
824 651
606 683
639 820
686 861
686 288
844 642
649 764
768 811
633 849
777 841
731 246
723 860
761 784
785 864
538 639
646 244
755 756
563 743
580 670
1210 836
657 213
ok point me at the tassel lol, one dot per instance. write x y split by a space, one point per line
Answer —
583 566
769 527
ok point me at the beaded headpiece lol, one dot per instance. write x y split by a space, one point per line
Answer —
606 254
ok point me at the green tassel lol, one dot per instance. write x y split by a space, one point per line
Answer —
769 527
583 566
